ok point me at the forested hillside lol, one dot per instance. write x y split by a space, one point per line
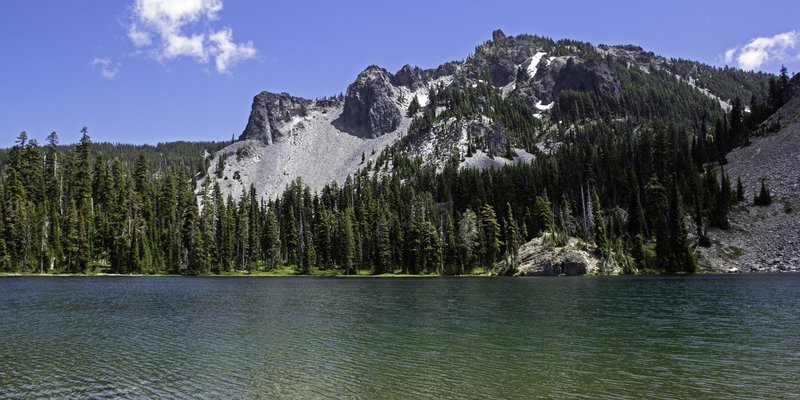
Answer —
626 158
627 190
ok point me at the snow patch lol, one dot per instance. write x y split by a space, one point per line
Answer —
691 81
507 89
545 107
444 81
534 65
422 97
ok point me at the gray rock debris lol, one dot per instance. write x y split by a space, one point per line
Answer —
761 239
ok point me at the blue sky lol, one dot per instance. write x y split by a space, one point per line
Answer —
148 71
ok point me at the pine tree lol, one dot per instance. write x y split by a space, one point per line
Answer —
72 245
513 237
723 203
433 250
451 248
681 258
347 244
414 106
468 239
82 175
764 198
293 238
739 190
543 212
15 221
384 245
272 240
600 235
491 232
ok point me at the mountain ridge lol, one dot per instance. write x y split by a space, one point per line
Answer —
627 158
555 80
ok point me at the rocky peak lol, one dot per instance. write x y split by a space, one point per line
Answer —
369 106
498 35
269 112
411 77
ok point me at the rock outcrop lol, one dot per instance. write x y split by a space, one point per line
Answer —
503 72
270 113
591 75
370 109
414 78
540 257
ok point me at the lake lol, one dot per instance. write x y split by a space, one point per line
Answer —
725 337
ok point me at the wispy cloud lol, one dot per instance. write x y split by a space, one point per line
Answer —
108 70
762 50
169 29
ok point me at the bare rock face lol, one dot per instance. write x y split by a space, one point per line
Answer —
369 106
269 111
591 75
504 72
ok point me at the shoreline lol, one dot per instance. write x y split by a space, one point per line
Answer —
326 274
247 275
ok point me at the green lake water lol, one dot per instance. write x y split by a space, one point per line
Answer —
689 337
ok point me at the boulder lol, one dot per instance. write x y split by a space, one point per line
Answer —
540 257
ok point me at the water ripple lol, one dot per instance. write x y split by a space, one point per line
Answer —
188 338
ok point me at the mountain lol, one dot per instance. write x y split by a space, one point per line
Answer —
531 156
515 97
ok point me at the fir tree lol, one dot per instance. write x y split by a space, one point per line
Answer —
491 233
414 106
739 190
468 239
764 198
599 233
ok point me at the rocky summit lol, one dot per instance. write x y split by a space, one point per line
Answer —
370 108
272 115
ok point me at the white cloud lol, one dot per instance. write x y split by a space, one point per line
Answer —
139 38
106 69
227 52
763 50
729 54
164 28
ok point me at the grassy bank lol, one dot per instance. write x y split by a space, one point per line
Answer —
278 272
